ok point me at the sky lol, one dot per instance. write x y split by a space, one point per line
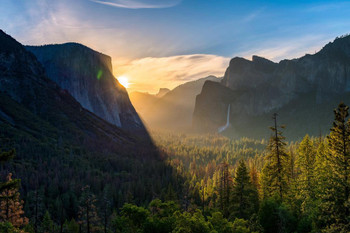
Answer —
164 43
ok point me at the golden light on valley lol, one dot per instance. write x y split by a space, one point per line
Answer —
123 80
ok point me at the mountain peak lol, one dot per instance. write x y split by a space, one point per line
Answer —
339 47
258 59
8 43
162 92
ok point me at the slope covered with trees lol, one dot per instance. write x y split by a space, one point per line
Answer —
227 186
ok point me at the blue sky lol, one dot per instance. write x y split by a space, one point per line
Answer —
162 43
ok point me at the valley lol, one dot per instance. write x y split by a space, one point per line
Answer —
159 118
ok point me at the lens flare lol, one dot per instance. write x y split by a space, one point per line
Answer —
123 80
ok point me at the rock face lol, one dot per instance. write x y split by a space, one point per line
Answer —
31 105
261 87
87 76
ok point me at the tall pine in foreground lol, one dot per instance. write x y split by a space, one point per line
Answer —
224 189
275 172
336 203
245 195
306 166
11 206
88 211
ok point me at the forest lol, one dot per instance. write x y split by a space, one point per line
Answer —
198 183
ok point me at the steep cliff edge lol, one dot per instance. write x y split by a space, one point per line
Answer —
87 76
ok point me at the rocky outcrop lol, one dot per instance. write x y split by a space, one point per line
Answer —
263 87
87 76
218 97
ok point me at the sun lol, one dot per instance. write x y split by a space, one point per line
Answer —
123 80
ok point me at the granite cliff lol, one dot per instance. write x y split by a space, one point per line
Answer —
87 76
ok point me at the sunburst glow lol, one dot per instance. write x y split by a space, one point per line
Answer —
123 80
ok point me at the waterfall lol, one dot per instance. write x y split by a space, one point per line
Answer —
223 128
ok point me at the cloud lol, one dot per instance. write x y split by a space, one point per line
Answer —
139 4
151 73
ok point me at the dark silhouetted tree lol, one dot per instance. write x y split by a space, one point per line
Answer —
275 172
245 199
87 210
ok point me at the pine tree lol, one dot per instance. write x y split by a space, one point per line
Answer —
245 196
224 189
106 207
254 177
306 165
11 206
87 210
47 224
275 172
339 162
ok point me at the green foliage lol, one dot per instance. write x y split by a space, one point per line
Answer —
210 184
335 205
7 155
240 226
191 222
6 227
220 224
275 172
71 227
134 216
275 216
306 166
47 224
245 196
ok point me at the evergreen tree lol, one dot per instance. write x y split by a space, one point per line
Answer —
106 203
224 189
275 172
245 196
47 224
306 163
11 206
254 177
87 210
322 171
338 199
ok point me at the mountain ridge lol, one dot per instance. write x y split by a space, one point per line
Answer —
264 87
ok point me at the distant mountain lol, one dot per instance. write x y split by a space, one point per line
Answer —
87 75
142 101
162 92
303 91
174 110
